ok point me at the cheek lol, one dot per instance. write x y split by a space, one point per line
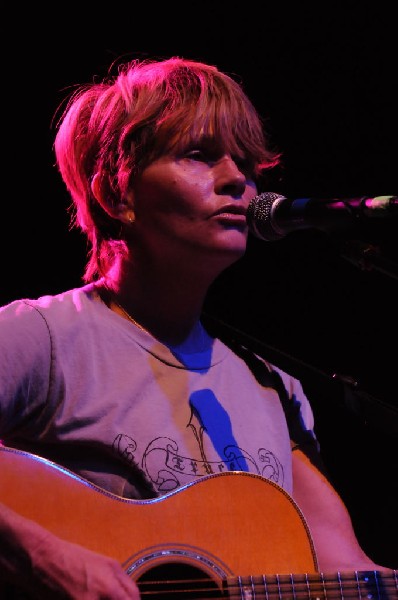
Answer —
171 193
191 189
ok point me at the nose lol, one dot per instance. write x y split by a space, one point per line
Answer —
229 178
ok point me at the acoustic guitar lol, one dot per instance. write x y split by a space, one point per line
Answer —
230 535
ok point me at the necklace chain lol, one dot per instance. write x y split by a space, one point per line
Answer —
132 320
111 296
128 316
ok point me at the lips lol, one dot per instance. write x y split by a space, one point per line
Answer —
231 215
231 209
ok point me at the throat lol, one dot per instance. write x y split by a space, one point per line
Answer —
198 340
168 324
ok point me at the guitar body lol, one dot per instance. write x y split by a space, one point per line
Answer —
241 522
222 527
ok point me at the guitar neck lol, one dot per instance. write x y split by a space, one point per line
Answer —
359 584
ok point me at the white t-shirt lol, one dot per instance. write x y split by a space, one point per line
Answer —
86 388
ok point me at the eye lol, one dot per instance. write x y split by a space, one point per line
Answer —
245 165
198 154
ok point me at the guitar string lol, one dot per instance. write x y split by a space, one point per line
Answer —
283 583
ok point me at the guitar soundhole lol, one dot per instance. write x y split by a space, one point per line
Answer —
174 581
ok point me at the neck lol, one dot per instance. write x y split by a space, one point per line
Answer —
170 311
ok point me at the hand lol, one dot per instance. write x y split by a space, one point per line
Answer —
68 571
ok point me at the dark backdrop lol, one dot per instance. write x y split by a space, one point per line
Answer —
324 81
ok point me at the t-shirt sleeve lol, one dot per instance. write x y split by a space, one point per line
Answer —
296 405
25 363
299 417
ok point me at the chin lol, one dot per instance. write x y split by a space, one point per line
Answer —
234 253
237 243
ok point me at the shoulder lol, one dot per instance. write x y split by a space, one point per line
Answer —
68 302
41 317
268 374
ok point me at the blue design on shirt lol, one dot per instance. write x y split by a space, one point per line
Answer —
216 422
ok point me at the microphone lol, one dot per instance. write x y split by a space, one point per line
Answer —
271 216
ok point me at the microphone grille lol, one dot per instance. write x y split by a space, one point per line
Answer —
259 216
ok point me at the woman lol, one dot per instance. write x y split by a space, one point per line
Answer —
119 380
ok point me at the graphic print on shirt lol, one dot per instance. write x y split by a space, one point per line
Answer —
167 468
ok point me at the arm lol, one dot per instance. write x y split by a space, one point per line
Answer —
34 560
332 532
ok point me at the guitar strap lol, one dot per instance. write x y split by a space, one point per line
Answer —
266 376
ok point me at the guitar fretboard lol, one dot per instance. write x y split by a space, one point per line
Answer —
370 585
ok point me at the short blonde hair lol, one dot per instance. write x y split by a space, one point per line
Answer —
118 126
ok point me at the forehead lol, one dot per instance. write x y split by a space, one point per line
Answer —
221 130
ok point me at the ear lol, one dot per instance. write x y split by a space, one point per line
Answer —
123 210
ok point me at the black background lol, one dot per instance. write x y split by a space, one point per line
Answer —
324 79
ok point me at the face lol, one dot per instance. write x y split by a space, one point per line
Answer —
193 205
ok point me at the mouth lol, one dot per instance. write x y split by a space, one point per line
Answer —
231 210
231 216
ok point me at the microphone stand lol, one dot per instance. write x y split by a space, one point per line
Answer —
372 411
367 257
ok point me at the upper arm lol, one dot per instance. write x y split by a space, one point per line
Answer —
25 365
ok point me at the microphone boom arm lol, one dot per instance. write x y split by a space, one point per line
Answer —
368 258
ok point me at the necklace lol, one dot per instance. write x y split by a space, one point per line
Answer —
111 298
189 345
128 316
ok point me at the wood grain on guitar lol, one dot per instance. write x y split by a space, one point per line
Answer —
230 535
